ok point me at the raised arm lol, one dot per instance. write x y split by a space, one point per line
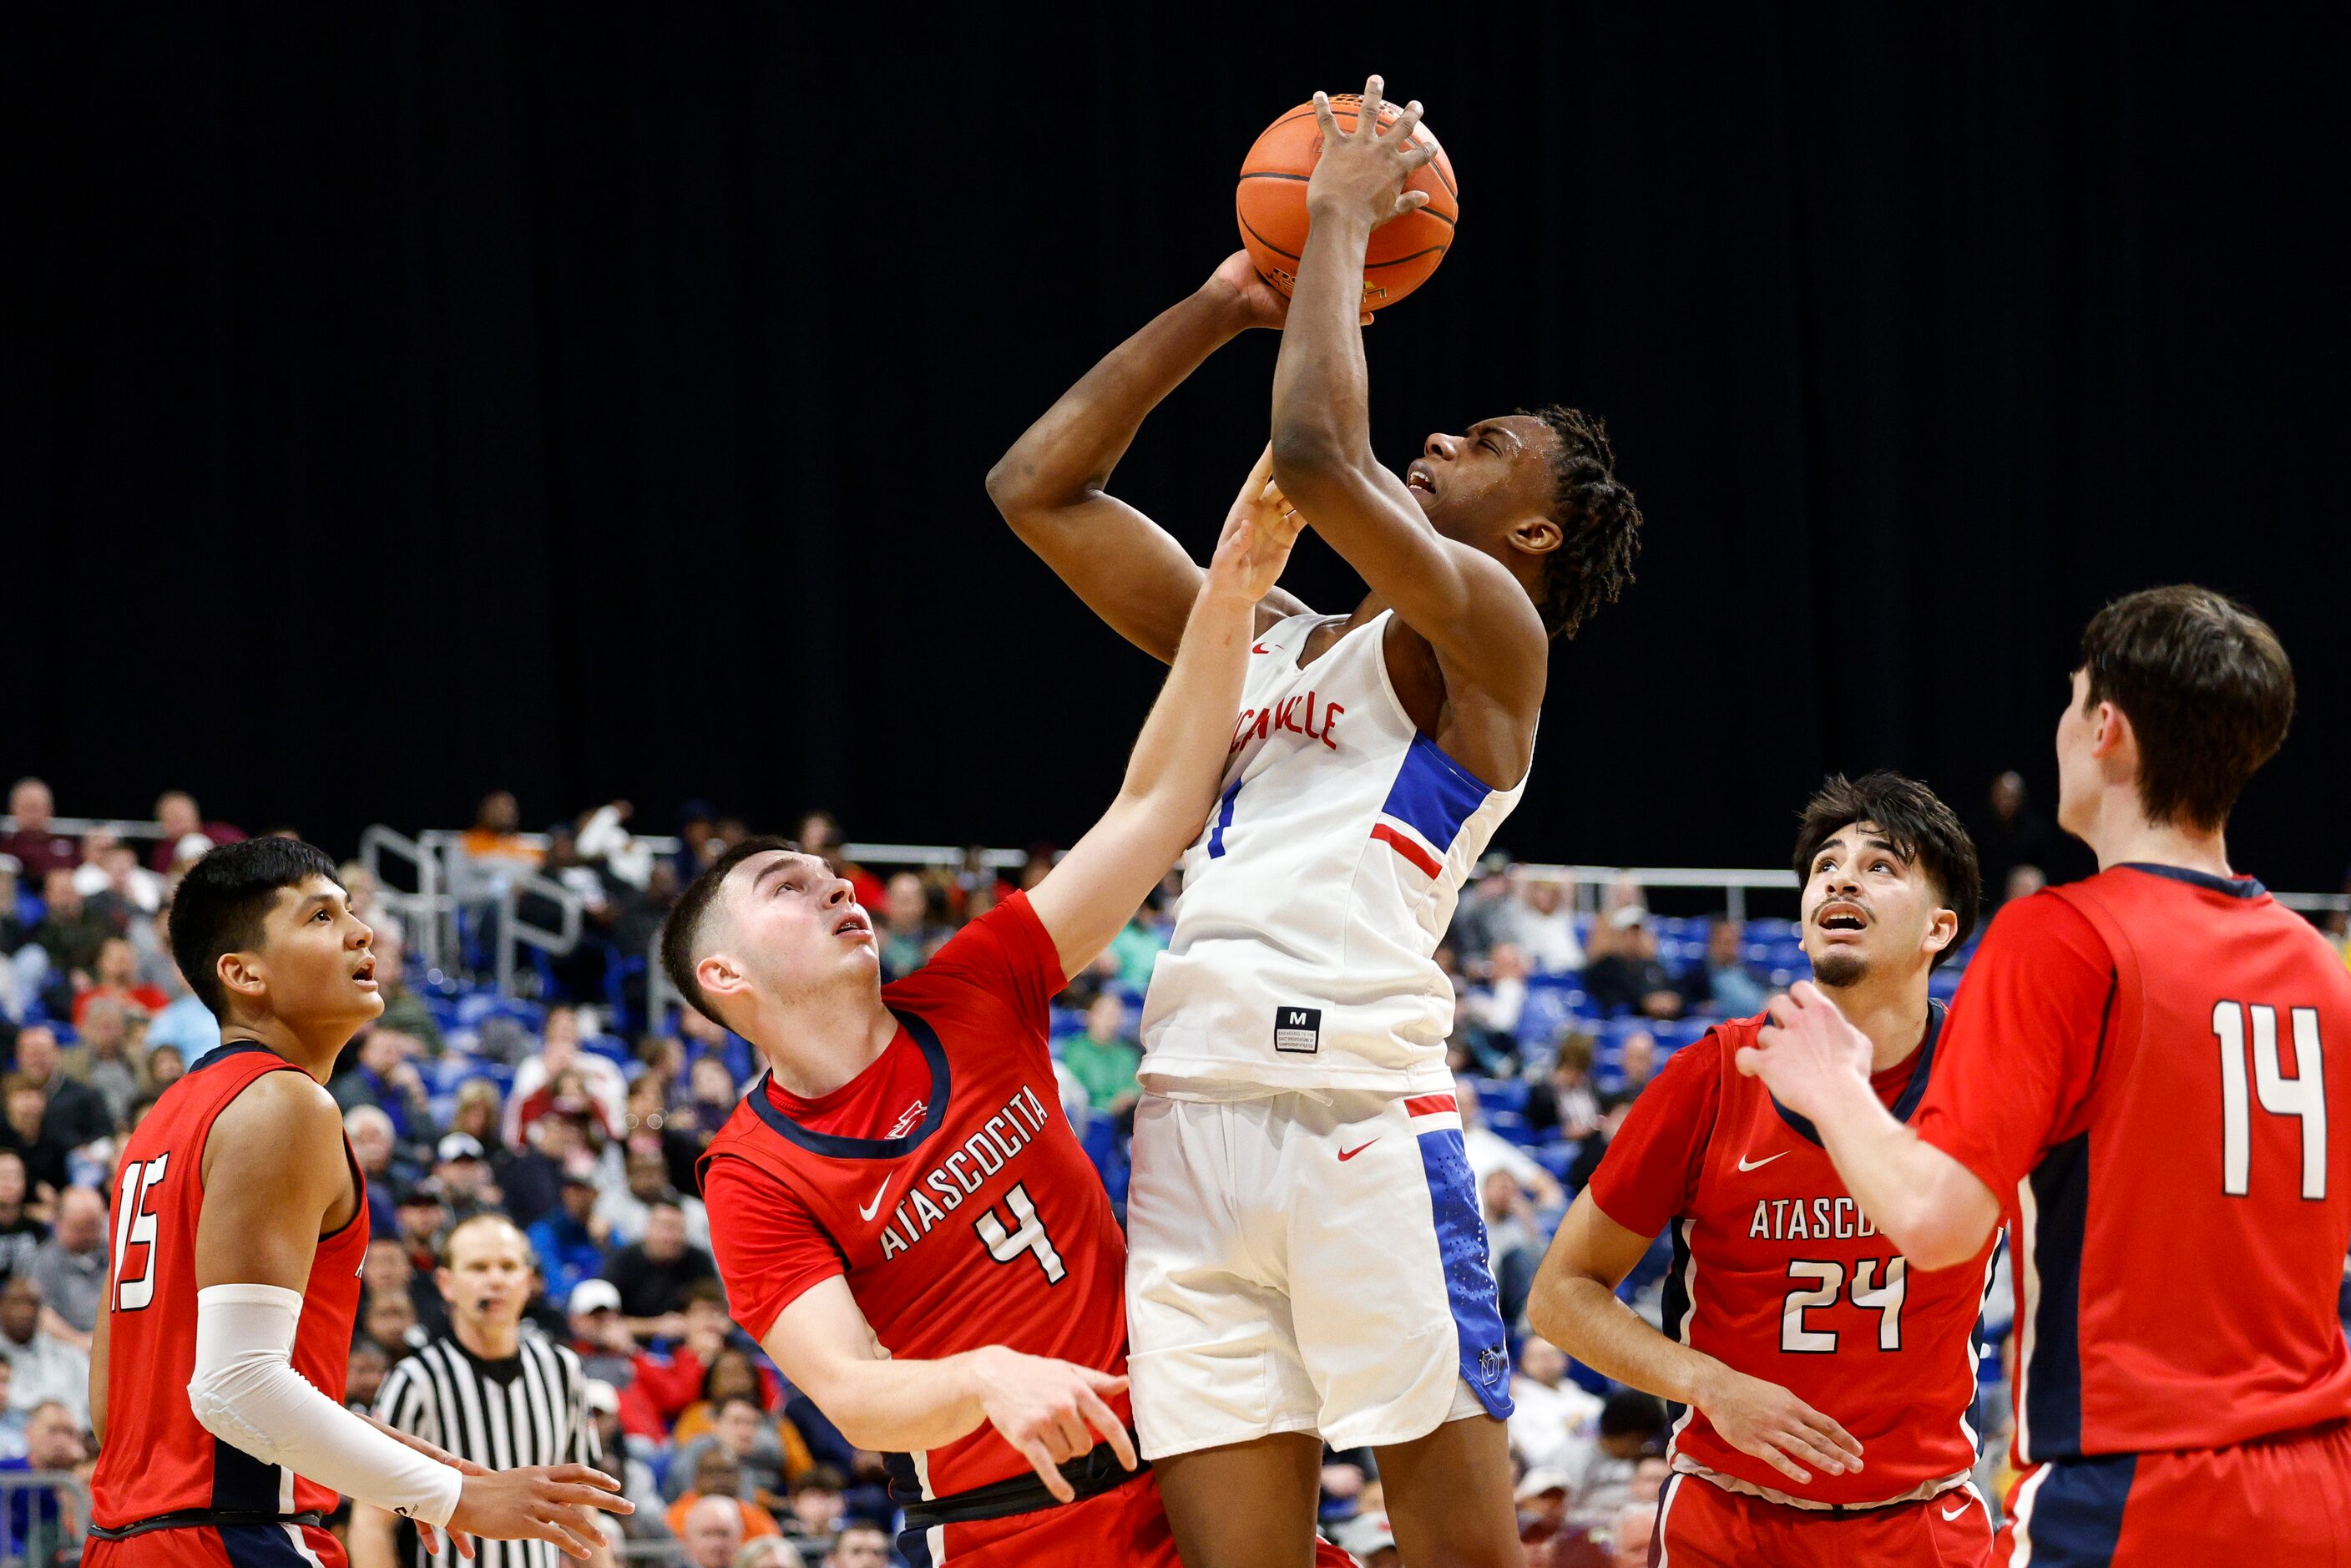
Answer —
1468 606
1574 1305
1049 1411
1051 486
1179 761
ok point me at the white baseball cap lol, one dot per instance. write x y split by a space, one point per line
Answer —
595 1296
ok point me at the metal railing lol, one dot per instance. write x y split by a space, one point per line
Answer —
53 1534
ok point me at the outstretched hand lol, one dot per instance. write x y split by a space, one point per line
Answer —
1258 533
1362 172
1808 1052
1260 304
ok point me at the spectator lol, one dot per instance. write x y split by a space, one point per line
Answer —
748 1435
1637 1060
1138 944
176 811
363 1375
621 1462
105 1061
715 1495
45 1160
769 1551
165 1066
2023 882
388 1318
1104 1059
52 1442
728 1370
70 935
1551 1427
42 1367
604 840
21 1231
627 1211
187 1026
370 1131
559 1050
383 1073
1543 1503
1626 976
70 1268
1494 1008
862 1544
475 1114
1514 1244
650 1126
12 1420
606 1347
555 1149
404 1012
1540 922
819 1509
493 836
116 977
1636 1525
114 881
570 1240
74 1117
1488 1151
2012 832
652 1275
464 1178
1481 917
1369 1539
1720 984
1600 1481
909 937
1563 1105
38 848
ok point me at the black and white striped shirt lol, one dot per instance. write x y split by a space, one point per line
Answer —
529 1409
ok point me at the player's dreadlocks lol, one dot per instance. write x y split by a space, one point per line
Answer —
1597 514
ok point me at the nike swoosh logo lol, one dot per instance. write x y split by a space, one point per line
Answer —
1346 1154
868 1211
1757 1164
1955 1513
1260 648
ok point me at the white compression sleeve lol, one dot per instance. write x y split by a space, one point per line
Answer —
245 1392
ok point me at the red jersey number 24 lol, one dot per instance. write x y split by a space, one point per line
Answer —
2303 1096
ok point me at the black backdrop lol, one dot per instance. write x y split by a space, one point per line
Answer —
403 402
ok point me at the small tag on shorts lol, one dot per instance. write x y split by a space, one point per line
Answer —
1298 1030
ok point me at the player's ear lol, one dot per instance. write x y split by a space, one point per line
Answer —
1536 534
721 976
243 975
1943 929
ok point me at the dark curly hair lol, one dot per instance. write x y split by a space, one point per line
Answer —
1597 514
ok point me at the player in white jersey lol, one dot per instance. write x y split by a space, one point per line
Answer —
1306 1252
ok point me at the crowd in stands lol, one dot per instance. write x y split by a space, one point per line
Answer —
581 1117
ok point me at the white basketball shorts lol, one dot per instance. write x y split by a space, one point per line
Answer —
1307 1262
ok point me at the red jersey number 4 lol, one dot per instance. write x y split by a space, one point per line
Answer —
2303 1095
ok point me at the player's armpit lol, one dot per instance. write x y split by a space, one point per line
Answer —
282 1139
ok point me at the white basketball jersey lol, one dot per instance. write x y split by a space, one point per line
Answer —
1314 900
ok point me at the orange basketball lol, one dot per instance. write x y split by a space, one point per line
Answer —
1272 205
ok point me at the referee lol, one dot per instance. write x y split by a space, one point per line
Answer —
485 1392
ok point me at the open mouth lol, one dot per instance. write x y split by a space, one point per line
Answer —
853 924
1841 917
364 976
1418 479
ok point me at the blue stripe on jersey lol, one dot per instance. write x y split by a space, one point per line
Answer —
242 1482
260 1546
905 1487
2053 1393
1432 795
2076 1514
1223 820
1469 1281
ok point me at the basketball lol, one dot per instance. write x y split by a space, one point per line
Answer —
1272 205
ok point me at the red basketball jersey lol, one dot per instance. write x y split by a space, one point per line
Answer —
2143 1067
1778 1275
157 1459
983 1223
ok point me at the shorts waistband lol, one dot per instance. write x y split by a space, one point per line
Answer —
1089 1475
205 1519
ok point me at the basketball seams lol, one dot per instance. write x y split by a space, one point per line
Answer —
1268 198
